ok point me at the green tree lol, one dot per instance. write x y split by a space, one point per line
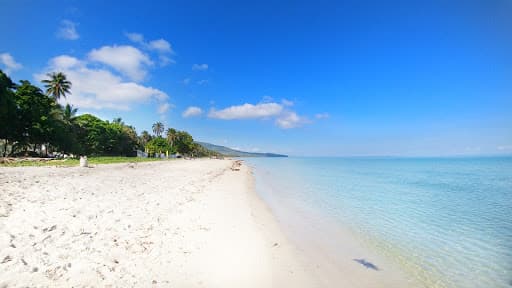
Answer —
171 136
158 145
68 113
35 115
144 138
158 128
8 111
184 142
57 85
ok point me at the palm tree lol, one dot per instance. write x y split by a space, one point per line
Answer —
145 137
57 85
171 136
69 113
118 120
158 128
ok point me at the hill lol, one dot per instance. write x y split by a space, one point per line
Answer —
235 153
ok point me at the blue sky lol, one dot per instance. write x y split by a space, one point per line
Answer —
303 78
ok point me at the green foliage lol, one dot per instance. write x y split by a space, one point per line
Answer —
57 86
30 119
158 145
184 142
8 121
158 128
98 137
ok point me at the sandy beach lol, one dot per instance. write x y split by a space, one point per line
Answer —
183 223
169 224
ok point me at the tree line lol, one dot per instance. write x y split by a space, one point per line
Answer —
33 123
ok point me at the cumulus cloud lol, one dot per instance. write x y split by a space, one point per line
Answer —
289 119
322 116
135 37
200 67
192 111
9 63
128 60
99 88
284 117
247 111
164 107
67 30
161 46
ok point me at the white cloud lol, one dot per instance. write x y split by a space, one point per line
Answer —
200 67
67 30
202 82
164 60
135 37
192 111
99 88
10 64
284 118
247 111
164 107
128 60
287 102
290 119
160 45
186 81
322 116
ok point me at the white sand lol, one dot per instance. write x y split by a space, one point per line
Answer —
182 223
169 224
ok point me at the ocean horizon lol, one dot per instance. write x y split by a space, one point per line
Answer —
444 221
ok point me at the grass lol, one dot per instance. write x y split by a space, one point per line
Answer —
76 162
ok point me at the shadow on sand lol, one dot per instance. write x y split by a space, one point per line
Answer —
367 264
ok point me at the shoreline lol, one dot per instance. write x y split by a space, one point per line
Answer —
193 223
340 256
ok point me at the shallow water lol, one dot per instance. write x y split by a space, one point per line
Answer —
446 221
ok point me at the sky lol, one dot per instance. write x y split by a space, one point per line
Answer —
304 78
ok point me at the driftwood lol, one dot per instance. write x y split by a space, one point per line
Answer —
236 165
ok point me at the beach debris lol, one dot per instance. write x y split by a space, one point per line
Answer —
6 259
50 229
367 264
236 165
83 161
5 209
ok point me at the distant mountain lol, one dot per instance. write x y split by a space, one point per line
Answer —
235 153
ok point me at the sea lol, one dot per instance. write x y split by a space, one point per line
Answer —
446 222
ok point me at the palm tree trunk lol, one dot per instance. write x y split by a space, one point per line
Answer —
5 147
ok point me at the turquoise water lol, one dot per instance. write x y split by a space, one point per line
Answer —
446 221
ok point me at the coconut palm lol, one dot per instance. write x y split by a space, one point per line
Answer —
158 128
69 113
57 86
145 137
171 136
